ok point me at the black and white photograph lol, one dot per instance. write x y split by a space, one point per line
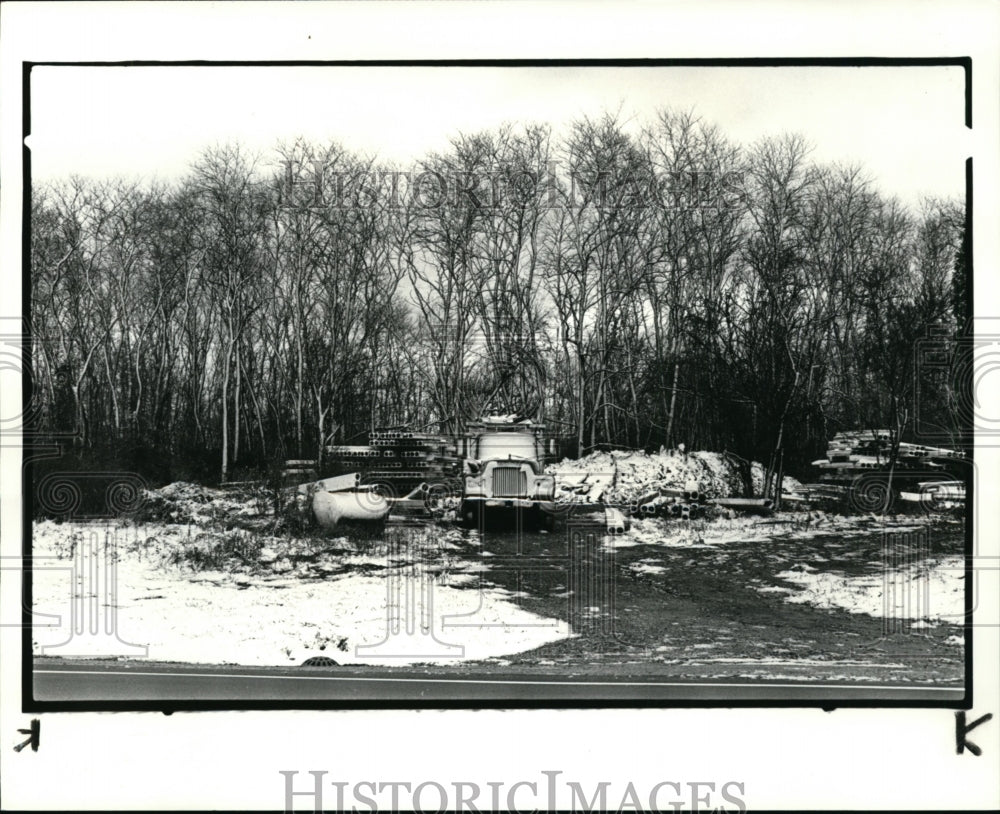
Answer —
462 382
612 380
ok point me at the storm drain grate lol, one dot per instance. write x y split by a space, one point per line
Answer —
319 661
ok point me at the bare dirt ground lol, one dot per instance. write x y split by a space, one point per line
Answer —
735 608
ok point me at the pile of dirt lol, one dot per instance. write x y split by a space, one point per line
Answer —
622 476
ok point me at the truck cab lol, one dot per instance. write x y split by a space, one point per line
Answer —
504 470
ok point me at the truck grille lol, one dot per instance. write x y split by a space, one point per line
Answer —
509 481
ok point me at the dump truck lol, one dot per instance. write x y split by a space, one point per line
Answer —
498 465
504 470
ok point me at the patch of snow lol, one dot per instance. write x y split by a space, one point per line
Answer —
655 531
805 662
275 614
648 567
941 583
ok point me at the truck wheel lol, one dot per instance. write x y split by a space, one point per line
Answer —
544 520
471 514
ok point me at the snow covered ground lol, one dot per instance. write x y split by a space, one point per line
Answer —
274 601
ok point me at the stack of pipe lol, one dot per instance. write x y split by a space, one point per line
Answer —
402 458
667 502
872 449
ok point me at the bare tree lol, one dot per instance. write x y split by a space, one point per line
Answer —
593 259
437 247
234 209
655 283
512 193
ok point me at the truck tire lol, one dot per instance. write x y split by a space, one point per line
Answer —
547 520
472 514
540 520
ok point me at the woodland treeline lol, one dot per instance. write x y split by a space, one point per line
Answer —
626 287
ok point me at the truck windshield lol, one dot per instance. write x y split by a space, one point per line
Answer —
505 444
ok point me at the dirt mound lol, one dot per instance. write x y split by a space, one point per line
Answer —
621 476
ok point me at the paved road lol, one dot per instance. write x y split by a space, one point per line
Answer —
59 681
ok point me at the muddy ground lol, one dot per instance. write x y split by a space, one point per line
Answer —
721 610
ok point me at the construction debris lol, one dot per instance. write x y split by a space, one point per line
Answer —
752 505
861 473
937 495
860 450
615 522
633 478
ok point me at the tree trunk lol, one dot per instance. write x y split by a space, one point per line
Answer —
259 418
236 407
580 406
113 391
673 405
298 385
225 413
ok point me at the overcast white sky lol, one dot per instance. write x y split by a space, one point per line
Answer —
904 124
